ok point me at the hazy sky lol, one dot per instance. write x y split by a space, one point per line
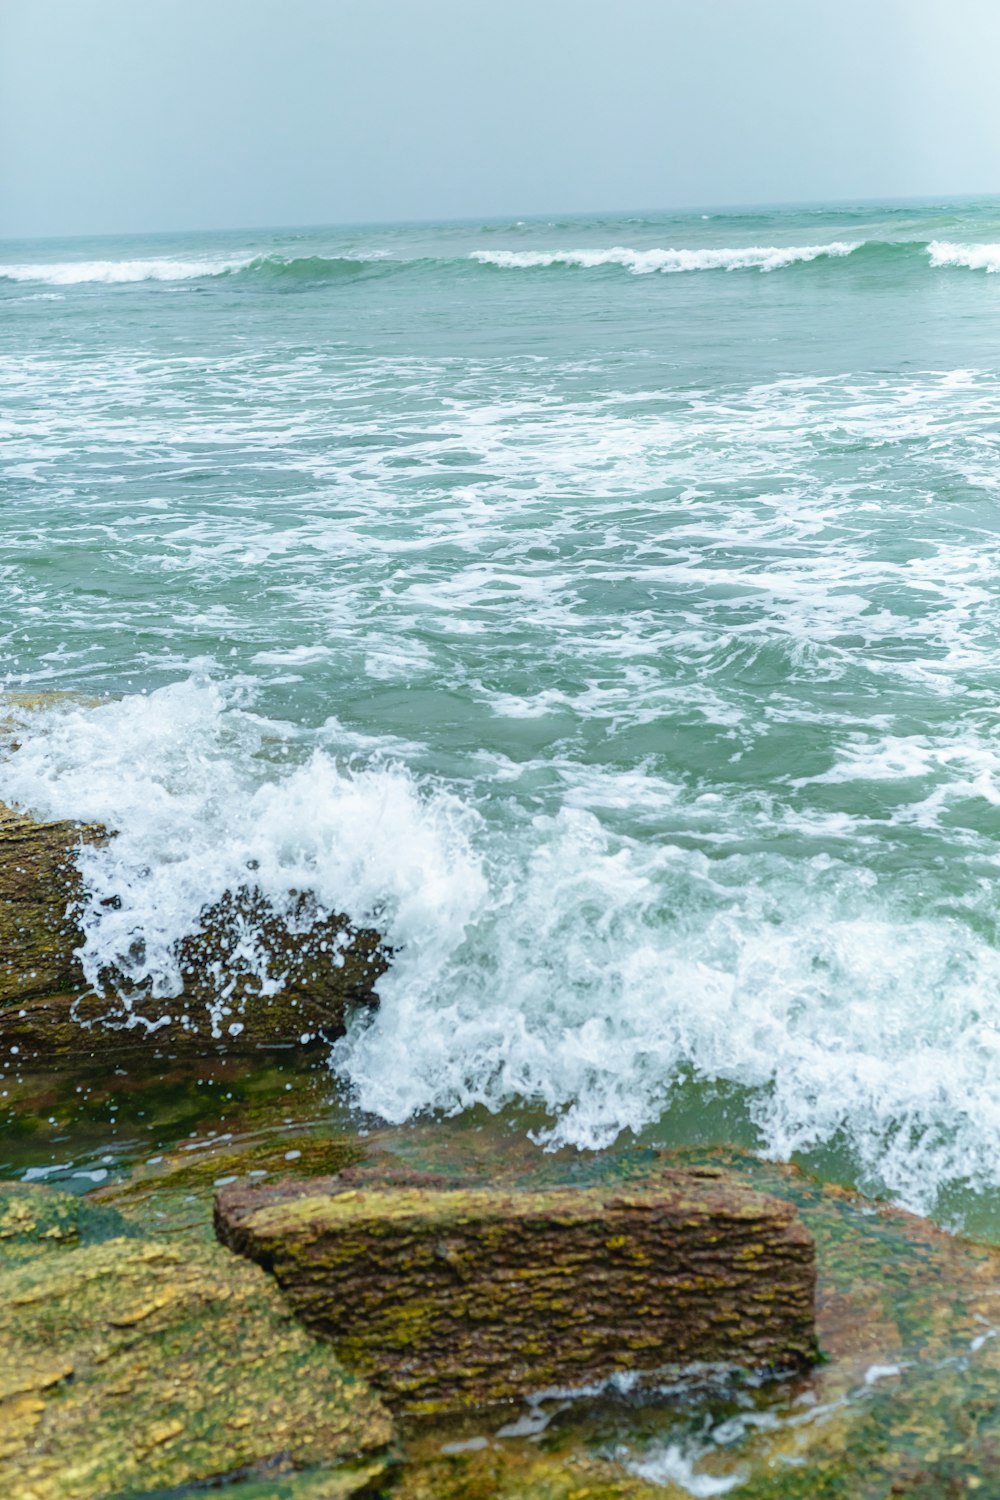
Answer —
172 114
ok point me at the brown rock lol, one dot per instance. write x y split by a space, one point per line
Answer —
449 1299
46 1008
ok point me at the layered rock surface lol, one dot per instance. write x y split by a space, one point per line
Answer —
448 1299
323 963
903 1403
131 1367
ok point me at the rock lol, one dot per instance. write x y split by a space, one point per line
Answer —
176 1191
450 1299
128 1367
494 1472
35 1220
39 883
46 1007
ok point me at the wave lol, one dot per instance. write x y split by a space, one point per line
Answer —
549 960
164 268
643 262
290 271
310 268
76 272
983 257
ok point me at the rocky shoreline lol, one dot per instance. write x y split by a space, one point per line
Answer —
440 1309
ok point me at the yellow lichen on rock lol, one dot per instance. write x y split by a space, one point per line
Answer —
131 1366
454 1298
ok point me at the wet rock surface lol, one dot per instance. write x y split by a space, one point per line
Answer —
132 1367
904 1401
449 1299
39 884
322 963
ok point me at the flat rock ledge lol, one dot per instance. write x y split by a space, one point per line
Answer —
47 1008
448 1299
133 1367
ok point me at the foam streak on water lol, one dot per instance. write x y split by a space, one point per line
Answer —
624 646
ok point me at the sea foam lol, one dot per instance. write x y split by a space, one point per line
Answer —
200 809
643 262
167 268
548 958
971 257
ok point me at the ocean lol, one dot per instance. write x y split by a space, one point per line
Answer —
607 608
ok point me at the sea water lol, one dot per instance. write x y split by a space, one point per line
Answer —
607 608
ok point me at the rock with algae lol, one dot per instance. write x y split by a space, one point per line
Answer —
130 1367
454 1298
323 964
34 1220
905 1402
494 1472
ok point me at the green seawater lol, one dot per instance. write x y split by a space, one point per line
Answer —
606 607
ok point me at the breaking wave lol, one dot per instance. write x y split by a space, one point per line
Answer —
643 262
969 257
164 268
76 272
548 960
291 270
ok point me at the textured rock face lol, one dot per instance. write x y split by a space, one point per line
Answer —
38 883
449 1299
325 965
128 1367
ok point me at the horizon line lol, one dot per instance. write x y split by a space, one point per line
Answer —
688 210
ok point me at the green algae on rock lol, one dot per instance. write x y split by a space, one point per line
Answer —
34 1219
904 1402
129 1367
325 964
495 1472
175 1191
451 1299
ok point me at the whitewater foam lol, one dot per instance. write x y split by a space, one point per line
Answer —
201 805
169 268
971 257
644 262
543 958
159 268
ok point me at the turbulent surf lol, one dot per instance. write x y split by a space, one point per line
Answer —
622 643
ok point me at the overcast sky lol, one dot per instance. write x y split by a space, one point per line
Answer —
139 115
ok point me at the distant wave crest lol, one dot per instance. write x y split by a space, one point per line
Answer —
971 257
165 268
74 272
291 271
305 268
644 262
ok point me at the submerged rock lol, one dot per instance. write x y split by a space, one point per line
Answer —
129 1367
449 1299
904 1401
322 962
36 1220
